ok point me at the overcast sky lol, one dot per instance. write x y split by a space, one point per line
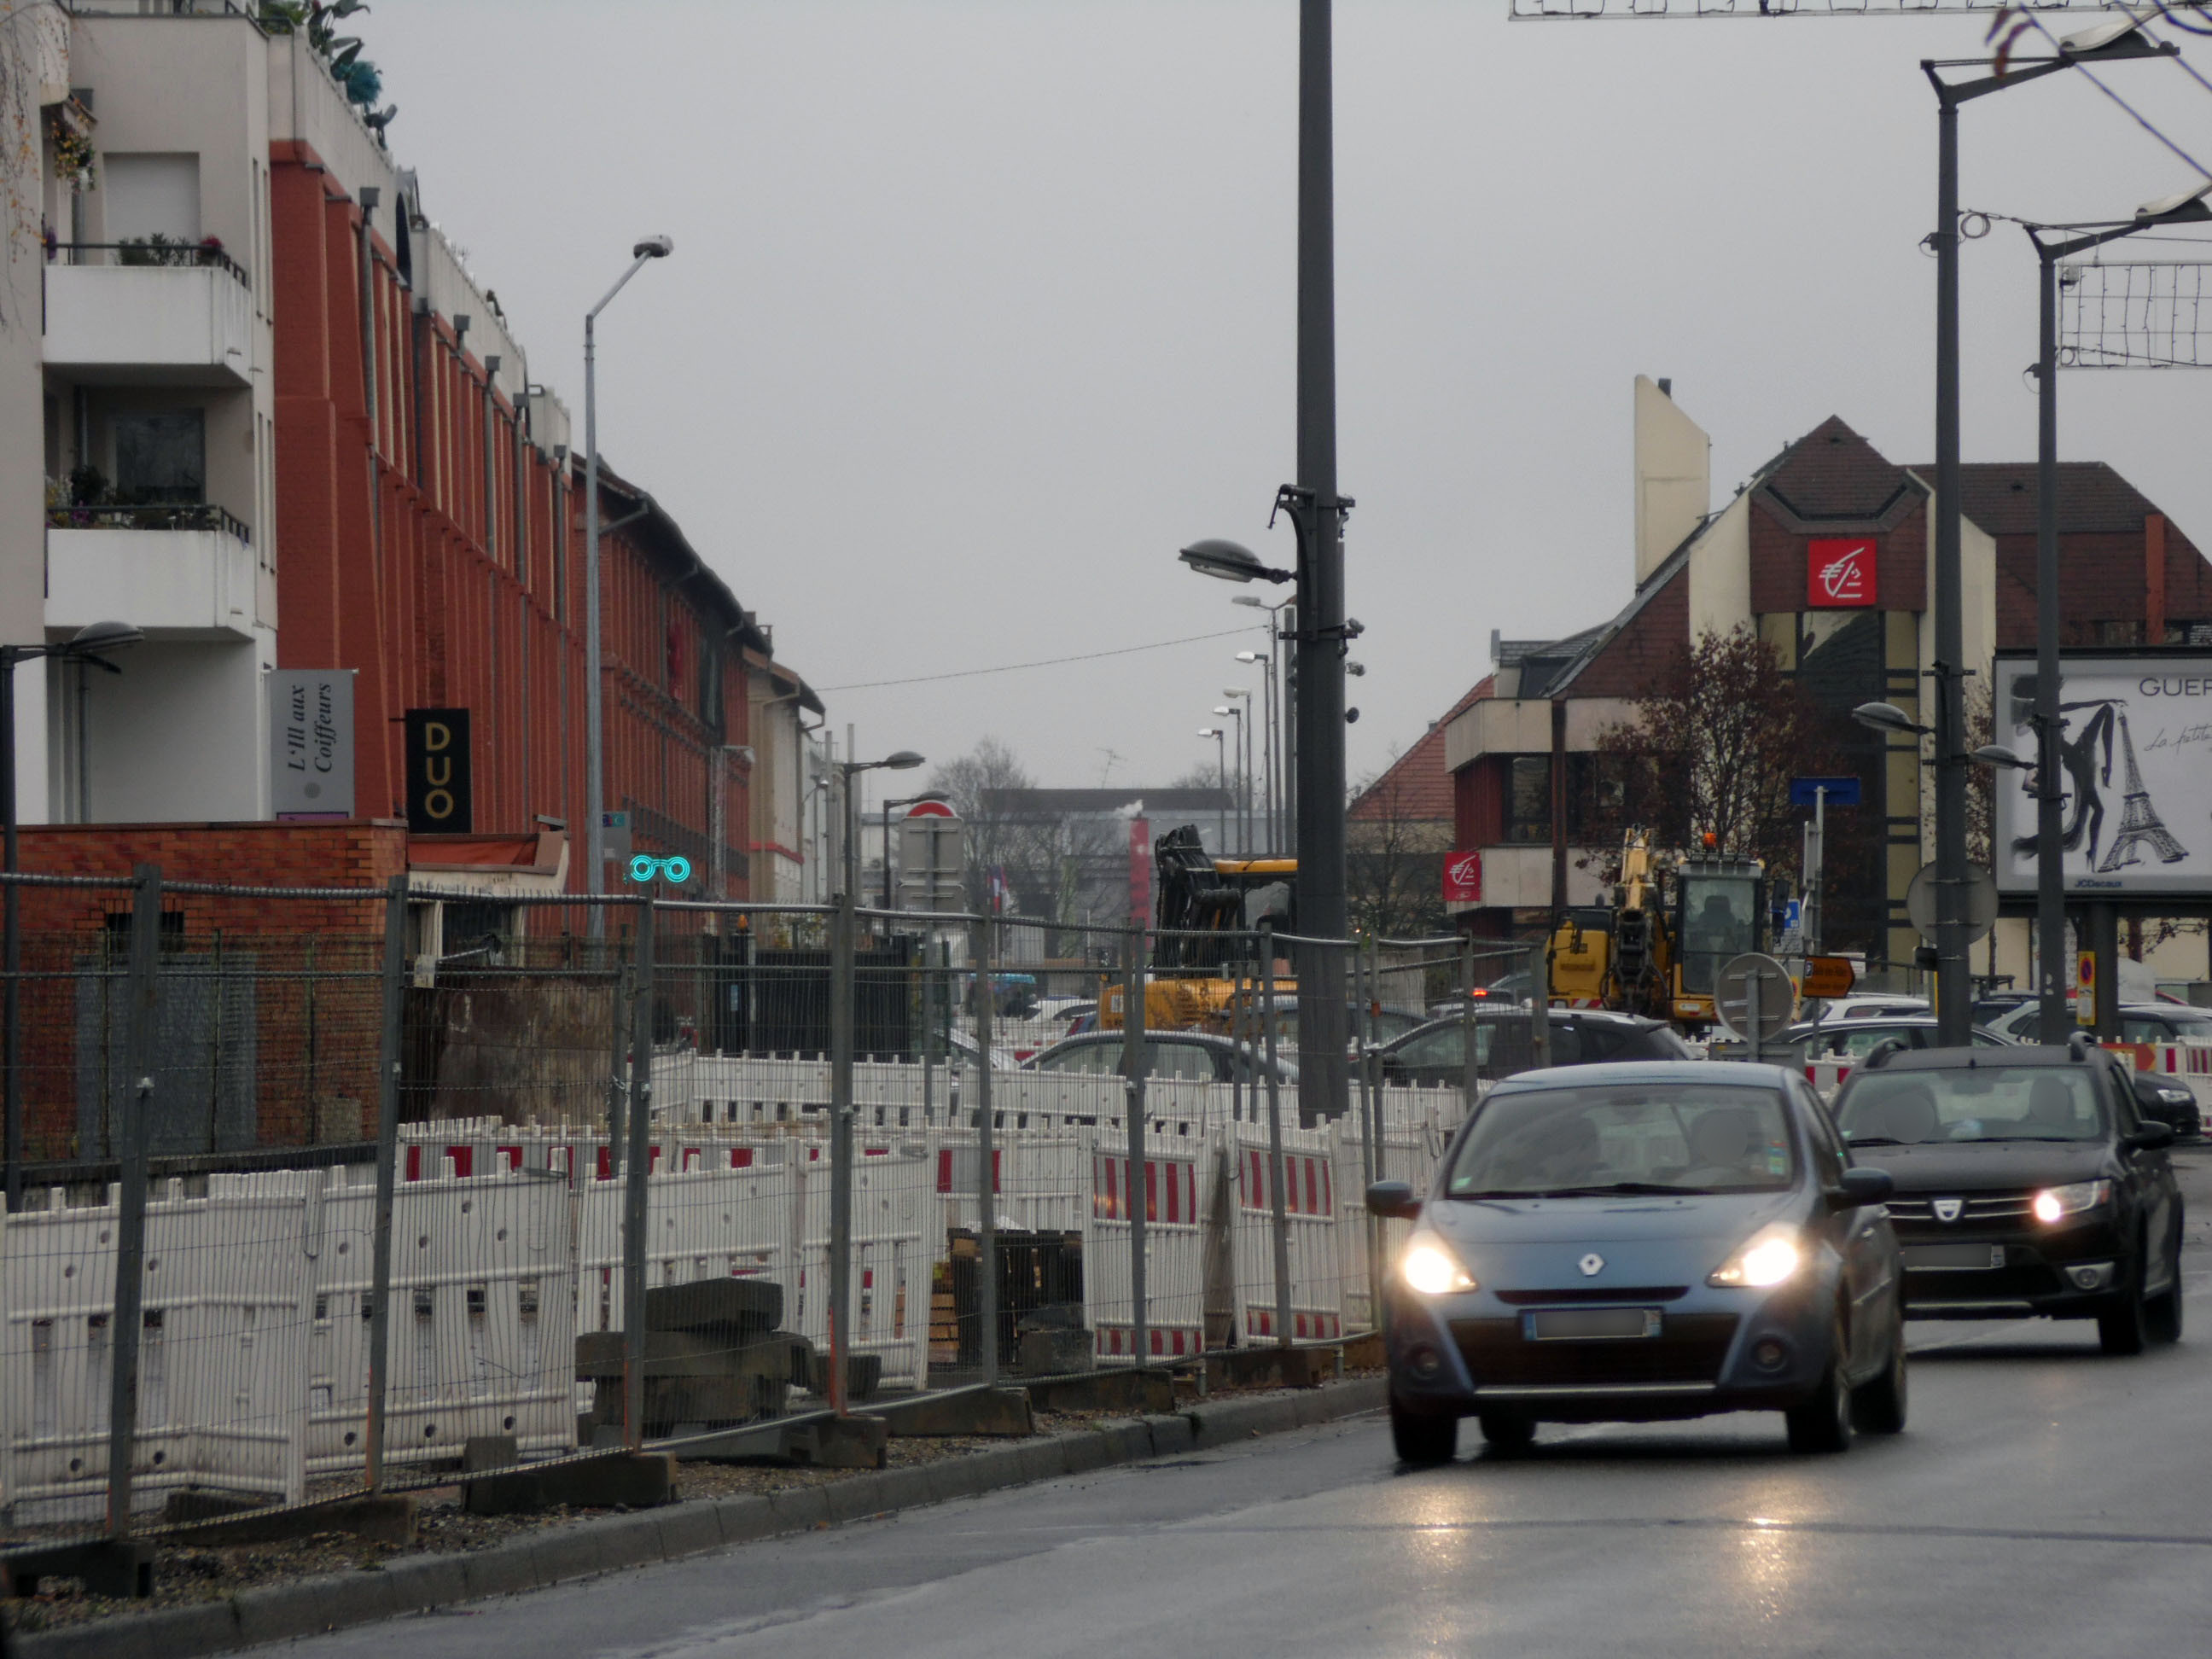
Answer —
980 308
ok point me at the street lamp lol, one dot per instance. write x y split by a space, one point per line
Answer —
902 760
2103 42
1887 717
1230 712
1231 562
86 646
2186 207
1221 765
595 833
1266 662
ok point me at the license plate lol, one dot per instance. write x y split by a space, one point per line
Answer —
1954 1258
1589 1324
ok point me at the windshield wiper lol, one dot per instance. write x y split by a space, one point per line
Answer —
2056 1140
1874 1140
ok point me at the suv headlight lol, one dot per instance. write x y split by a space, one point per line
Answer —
1430 1266
2055 1204
1768 1257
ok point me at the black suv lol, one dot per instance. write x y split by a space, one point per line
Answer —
1436 1053
2028 1181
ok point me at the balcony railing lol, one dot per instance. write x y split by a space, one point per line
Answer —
159 515
150 251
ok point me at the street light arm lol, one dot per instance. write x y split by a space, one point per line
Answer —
621 282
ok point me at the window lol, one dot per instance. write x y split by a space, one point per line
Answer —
1085 1060
161 456
1991 1103
1698 1137
1184 1059
152 195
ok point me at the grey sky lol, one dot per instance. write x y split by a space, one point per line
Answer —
981 309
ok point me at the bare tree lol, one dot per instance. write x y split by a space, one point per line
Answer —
1394 862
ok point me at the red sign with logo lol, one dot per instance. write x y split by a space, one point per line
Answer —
1839 574
1463 878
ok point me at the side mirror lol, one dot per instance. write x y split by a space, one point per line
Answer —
2151 1137
1393 1200
1861 1188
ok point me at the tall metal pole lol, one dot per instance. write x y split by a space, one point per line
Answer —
1134 1066
636 1183
11 924
1278 1198
1954 996
1320 652
2055 1018
143 1043
840 1139
387 1161
987 1184
595 832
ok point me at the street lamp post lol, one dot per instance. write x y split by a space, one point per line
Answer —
1242 710
86 646
1229 712
903 760
1221 770
2187 207
595 854
2115 39
1266 666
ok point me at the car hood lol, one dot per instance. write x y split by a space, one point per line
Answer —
1543 1243
1985 1166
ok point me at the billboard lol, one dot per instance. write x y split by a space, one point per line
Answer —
440 797
311 743
2136 747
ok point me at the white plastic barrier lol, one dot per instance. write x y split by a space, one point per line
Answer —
1178 1178
1309 1204
222 1356
897 1237
708 1221
1041 1182
1418 1125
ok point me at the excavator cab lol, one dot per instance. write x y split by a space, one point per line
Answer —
1720 907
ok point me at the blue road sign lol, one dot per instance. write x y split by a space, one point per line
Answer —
1842 791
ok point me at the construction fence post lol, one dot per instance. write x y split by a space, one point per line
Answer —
1540 1008
987 1196
842 1011
1469 1078
387 1164
1277 1199
141 1038
618 1064
636 1177
1135 1063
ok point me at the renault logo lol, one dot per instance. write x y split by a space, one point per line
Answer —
1592 1265
1949 1209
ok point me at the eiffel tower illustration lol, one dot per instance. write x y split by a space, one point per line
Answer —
2139 819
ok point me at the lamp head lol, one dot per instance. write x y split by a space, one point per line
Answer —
901 760
1885 717
1252 600
1248 656
102 636
654 248
1225 560
1995 754
2183 205
1208 731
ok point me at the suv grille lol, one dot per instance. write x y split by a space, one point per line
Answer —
1986 1207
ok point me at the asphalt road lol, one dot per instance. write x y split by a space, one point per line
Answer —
2045 1500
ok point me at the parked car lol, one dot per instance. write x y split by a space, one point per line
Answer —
1644 1242
2140 1022
1512 989
1169 1053
2169 1100
2027 1182
1858 1038
1872 1005
1390 1022
1436 1053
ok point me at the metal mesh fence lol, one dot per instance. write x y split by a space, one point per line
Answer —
393 1185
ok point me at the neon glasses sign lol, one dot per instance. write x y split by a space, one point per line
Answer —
645 868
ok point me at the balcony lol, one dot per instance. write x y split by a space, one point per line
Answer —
179 572
135 314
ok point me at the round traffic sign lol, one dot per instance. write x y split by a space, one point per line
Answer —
1777 997
1981 902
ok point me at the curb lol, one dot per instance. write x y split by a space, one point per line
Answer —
584 1549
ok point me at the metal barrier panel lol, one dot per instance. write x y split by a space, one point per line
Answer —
1317 1281
222 1357
1178 1173
896 1242
485 1326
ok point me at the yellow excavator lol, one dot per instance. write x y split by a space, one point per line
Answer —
1658 949
1191 985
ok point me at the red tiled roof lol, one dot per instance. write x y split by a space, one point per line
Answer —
2001 497
1833 473
1415 786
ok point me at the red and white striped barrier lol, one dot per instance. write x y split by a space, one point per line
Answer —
1176 1181
1309 1214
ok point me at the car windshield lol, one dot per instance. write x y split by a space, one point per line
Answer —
1625 1138
1987 1102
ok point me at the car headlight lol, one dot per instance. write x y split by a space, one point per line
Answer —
1768 1257
2056 1203
1430 1267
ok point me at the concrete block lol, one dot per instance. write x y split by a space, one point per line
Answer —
120 1568
308 1607
559 1554
507 1569
746 1520
1272 1368
481 1453
1132 1390
689 1529
627 1541
838 1443
969 1412
641 1481
763 1442
1170 1435
418 1582
1232 1421
381 1517
162 1633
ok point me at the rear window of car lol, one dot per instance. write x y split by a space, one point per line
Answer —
1700 1138
1987 1102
